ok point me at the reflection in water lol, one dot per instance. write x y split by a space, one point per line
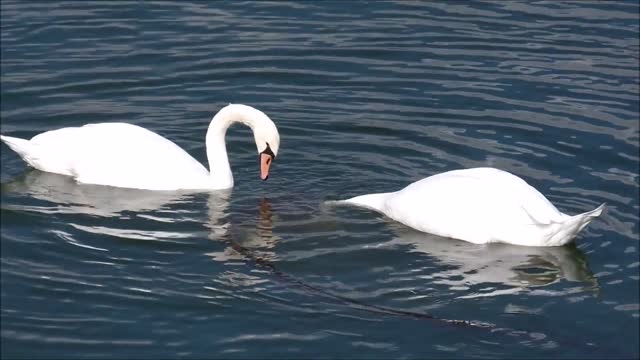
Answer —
69 197
63 195
466 264
507 265
519 267
258 239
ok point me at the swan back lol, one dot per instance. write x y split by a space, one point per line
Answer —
117 154
480 205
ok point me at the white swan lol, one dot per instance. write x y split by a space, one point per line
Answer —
129 156
481 205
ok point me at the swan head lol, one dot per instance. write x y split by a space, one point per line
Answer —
264 131
268 142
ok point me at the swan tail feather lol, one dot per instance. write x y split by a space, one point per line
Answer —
574 224
587 217
370 201
20 146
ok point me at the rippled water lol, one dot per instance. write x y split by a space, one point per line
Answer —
368 97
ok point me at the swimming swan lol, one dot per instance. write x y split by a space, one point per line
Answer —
481 205
130 156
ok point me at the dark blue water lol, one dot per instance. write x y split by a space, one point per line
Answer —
368 97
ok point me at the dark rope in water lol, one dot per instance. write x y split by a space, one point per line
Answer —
343 299
492 328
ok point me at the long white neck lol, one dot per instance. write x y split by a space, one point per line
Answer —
219 168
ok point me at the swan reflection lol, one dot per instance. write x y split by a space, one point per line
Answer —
257 238
69 197
63 195
519 267
59 194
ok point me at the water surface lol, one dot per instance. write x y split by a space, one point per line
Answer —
368 97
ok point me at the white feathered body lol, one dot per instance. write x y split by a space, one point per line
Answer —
115 154
480 205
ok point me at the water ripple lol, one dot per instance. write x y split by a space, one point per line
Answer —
366 101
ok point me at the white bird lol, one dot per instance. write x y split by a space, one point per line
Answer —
130 156
481 205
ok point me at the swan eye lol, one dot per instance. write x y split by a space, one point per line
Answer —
268 151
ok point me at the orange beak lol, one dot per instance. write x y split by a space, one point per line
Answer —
265 163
